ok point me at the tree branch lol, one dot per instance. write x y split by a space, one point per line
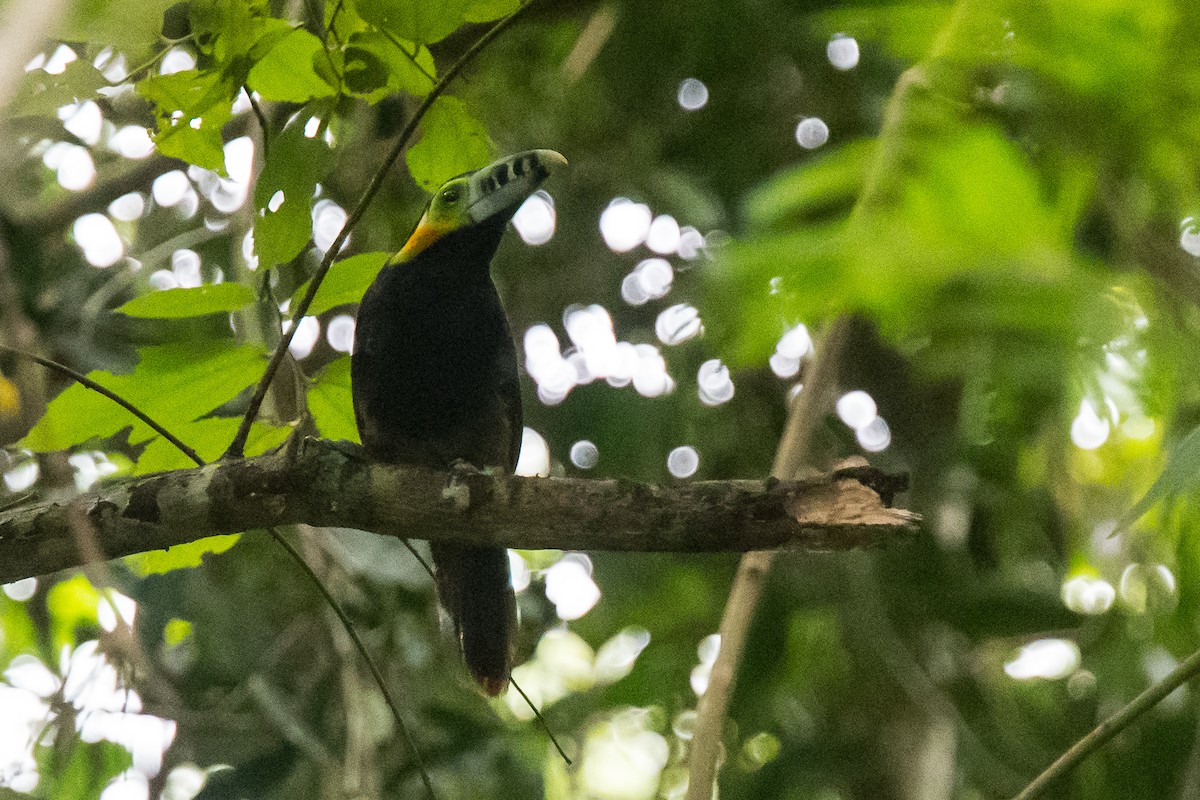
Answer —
804 413
318 483
1106 730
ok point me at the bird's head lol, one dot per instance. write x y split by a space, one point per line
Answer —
489 195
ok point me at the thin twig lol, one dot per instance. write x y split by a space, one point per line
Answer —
262 122
411 56
362 651
150 62
806 411
238 446
1112 726
111 395
540 719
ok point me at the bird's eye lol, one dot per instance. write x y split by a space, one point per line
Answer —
450 195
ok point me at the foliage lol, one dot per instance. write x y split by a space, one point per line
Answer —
1005 204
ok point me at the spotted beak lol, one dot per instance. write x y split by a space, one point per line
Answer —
501 187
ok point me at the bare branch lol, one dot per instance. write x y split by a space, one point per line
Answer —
805 412
320 484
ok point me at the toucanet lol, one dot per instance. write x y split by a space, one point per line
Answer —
434 380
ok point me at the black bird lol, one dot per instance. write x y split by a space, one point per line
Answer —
434 380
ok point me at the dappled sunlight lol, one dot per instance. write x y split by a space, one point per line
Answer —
585 454
339 332
99 240
83 120
596 355
1189 236
707 651
21 590
857 409
132 141
535 219
714 384
519 573
875 436
683 461
569 586
1084 594
623 757
616 657
103 710
692 95
307 334
328 220
170 188
811 133
1089 430
1048 659
534 456
842 52
72 164
128 207
678 323
650 280
625 224
1148 588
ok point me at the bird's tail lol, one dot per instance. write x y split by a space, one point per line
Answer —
474 587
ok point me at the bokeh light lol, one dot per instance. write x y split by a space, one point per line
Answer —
95 234
625 224
692 95
535 219
535 454
1048 659
585 454
811 133
683 461
842 52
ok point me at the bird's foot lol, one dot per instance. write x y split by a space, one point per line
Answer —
458 486
351 450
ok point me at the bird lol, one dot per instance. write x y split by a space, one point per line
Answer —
434 381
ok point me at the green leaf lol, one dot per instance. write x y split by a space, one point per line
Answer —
175 384
181 556
452 142
16 626
906 30
287 74
331 404
129 26
73 769
209 437
295 165
1180 476
42 94
416 20
489 10
191 302
828 183
232 30
378 65
192 107
344 283
72 604
176 631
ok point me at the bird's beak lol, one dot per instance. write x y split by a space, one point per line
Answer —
500 188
